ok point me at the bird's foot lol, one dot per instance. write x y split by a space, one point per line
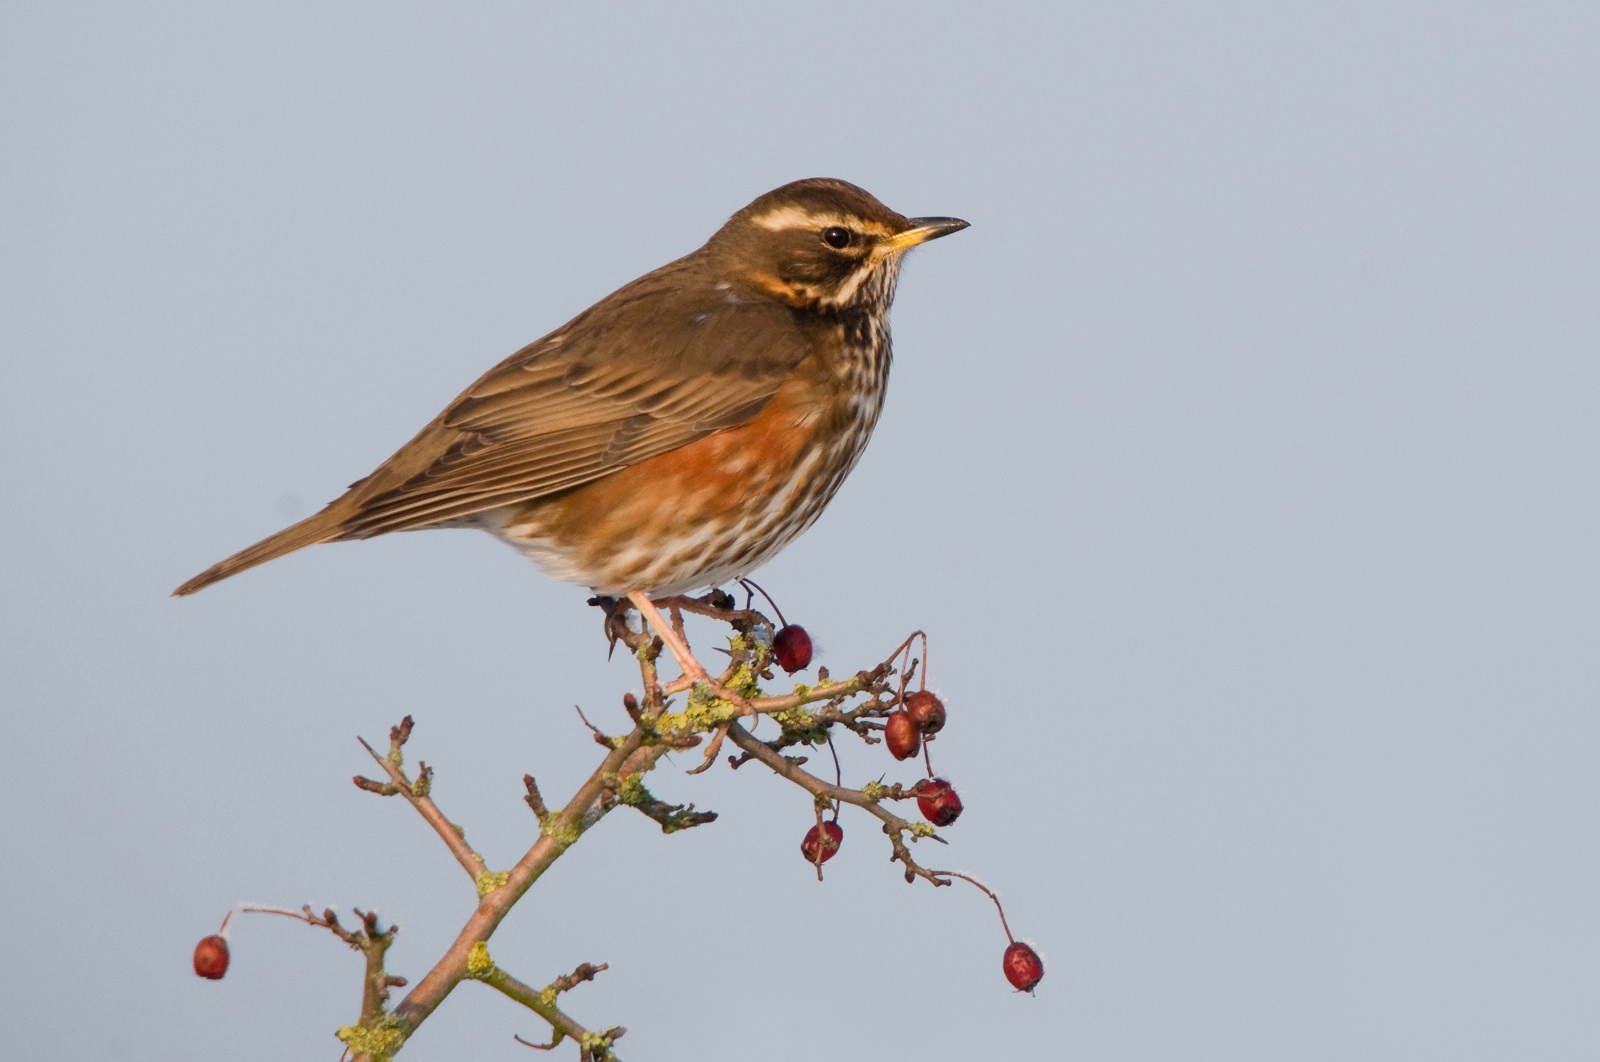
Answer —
616 620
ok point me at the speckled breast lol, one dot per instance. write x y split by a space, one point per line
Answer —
719 507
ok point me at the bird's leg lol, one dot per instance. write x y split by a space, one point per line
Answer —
677 623
676 645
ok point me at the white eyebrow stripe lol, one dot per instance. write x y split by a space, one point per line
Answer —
793 217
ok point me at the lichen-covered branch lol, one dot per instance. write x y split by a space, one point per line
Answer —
592 1046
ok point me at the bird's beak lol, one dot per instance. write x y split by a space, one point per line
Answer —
921 231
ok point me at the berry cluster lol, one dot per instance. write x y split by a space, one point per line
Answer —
907 729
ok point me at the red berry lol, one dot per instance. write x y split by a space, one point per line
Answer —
938 802
925 710
791 647
211 958
1023 967
901 735
822 842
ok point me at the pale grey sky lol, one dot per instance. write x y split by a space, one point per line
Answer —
1240 459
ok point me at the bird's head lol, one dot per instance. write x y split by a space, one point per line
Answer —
821 244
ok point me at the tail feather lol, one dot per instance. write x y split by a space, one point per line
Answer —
323 527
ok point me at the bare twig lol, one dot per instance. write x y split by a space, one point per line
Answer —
987 892
591 1045
600 736
417 795
534 801
893 825
560 830
748 583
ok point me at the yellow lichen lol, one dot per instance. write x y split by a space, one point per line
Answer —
378 1041
490 880
632 791
703 711
796 718
744 682
566 836
479 965
801 725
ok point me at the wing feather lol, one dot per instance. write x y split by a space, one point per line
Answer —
666 360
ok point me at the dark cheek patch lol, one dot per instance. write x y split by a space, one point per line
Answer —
826 270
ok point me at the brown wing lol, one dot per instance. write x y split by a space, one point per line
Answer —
666 360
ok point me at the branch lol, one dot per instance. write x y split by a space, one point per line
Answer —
591 1045
560 830
712 705
893 825
671 817
417 795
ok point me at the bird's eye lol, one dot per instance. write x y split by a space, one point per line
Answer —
836 237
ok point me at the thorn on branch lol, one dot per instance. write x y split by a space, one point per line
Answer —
899 853
372 786
593 1050
711 751
601 738
556 1036
591 1046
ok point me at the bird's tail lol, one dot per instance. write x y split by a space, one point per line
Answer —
323 527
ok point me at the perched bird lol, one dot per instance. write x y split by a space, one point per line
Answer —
679 432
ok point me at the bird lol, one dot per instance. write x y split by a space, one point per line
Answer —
681 431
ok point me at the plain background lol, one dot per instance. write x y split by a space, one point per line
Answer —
1240 459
